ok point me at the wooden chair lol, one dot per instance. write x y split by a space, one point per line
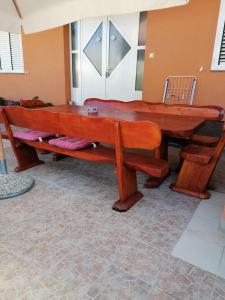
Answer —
198 165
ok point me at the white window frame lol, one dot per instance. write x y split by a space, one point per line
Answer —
219 34
16 71
75 91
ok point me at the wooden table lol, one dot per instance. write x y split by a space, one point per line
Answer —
183 126
179 126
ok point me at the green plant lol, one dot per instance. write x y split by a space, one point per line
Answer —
15 103
2 100
48 104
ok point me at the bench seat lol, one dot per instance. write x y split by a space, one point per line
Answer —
150 165
199 154
138 161
198 165
205 140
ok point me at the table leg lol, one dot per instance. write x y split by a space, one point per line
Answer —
160 153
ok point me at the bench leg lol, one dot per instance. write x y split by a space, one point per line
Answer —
203 196
26 157
129 195
193 180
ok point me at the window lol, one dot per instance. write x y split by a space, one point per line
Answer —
218 61
11 53
141 50
74 53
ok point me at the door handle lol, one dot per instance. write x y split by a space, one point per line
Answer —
107 74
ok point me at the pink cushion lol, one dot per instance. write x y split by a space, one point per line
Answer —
71 143
31 135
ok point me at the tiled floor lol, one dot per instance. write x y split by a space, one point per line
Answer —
63 241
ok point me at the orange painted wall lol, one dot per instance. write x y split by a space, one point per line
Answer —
182 40
46 59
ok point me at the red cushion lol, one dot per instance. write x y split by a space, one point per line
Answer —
71 143
31 135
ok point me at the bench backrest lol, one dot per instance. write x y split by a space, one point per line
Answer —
101 129
207 112
140 135
134 134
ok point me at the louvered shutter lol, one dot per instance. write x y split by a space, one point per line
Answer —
222 48
218 61
11 54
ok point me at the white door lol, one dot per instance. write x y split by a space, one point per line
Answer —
93 51
109 57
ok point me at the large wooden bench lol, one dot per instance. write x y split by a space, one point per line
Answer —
120 134
209 113
199 162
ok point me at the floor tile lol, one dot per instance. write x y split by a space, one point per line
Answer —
219 289
117 284
141 260
160 236
185 282
158 294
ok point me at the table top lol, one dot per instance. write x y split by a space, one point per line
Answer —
169 124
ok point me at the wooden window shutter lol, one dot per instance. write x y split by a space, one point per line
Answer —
222 47
218 61
11 53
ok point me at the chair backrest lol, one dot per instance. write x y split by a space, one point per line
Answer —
140 135
214 113
179 90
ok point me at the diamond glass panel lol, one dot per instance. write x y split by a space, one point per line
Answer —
93 50
118 47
